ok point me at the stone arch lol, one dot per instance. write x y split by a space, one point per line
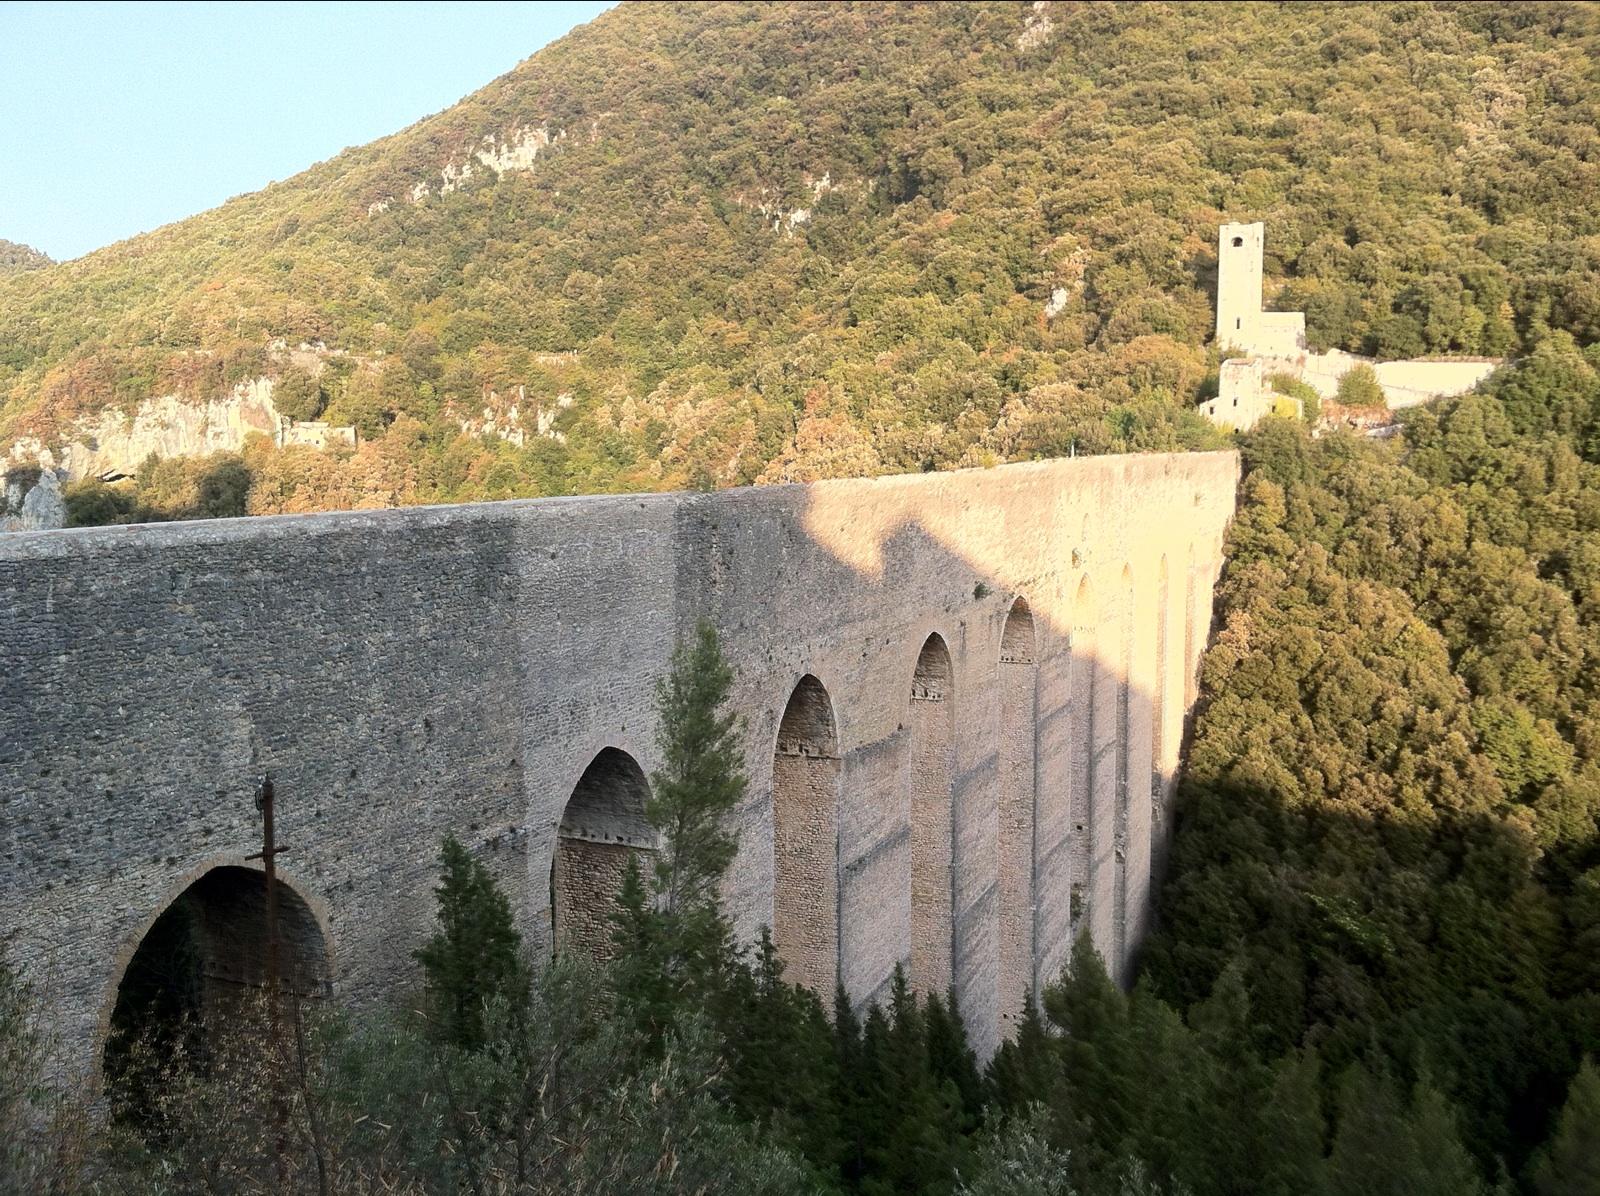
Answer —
602 826
805 838
1191 654
1085 668
1131 829
1162 728
931 723
201 963
1018 773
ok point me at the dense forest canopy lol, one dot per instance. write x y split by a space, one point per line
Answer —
784 241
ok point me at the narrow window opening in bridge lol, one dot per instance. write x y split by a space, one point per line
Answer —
1018 854
932 726
602 827
805 839
200 974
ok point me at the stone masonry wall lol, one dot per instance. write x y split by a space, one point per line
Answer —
407 674
588 877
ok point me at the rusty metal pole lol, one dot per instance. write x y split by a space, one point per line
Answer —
269 849
269 870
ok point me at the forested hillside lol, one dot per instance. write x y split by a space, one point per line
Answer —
701 245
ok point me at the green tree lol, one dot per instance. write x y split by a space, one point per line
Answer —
473 961
297 394
1570 1164
675 942
1359 387
1384 1148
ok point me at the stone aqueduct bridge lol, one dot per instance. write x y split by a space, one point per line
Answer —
963 698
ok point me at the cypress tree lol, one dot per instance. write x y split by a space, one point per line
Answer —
475 957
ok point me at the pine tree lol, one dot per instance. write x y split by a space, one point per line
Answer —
1246 1125
475 957
638 970
1095 1057
850 1097
1382 1148
1570 1163
701 781
1024 1071
918 1143
781 1062
675 944
951 1059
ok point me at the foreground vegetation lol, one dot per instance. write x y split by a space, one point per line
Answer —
1007 252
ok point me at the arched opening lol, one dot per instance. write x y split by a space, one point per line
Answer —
602 827
805 839
1162 760
931 723
1018 683
1238 242
1085 671
201 970
1130 834
1191 655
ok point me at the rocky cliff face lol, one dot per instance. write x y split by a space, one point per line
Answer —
31 501
114 443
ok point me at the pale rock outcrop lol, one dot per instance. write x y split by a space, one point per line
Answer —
115 443
32 506
1036 30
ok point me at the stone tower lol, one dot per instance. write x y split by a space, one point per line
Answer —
1239 252
1240 320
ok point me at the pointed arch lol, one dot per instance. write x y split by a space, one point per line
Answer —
931 721
1081 782
1130 830
1164 734
602 826
1018 816
805 838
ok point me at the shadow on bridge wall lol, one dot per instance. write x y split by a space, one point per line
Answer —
964 779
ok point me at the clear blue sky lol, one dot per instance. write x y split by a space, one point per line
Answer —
119 118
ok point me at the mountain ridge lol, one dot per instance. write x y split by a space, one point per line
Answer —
757 243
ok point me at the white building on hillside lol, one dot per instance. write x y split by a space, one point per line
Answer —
1274 342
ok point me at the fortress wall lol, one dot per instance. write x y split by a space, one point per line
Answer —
1405 383
410 673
